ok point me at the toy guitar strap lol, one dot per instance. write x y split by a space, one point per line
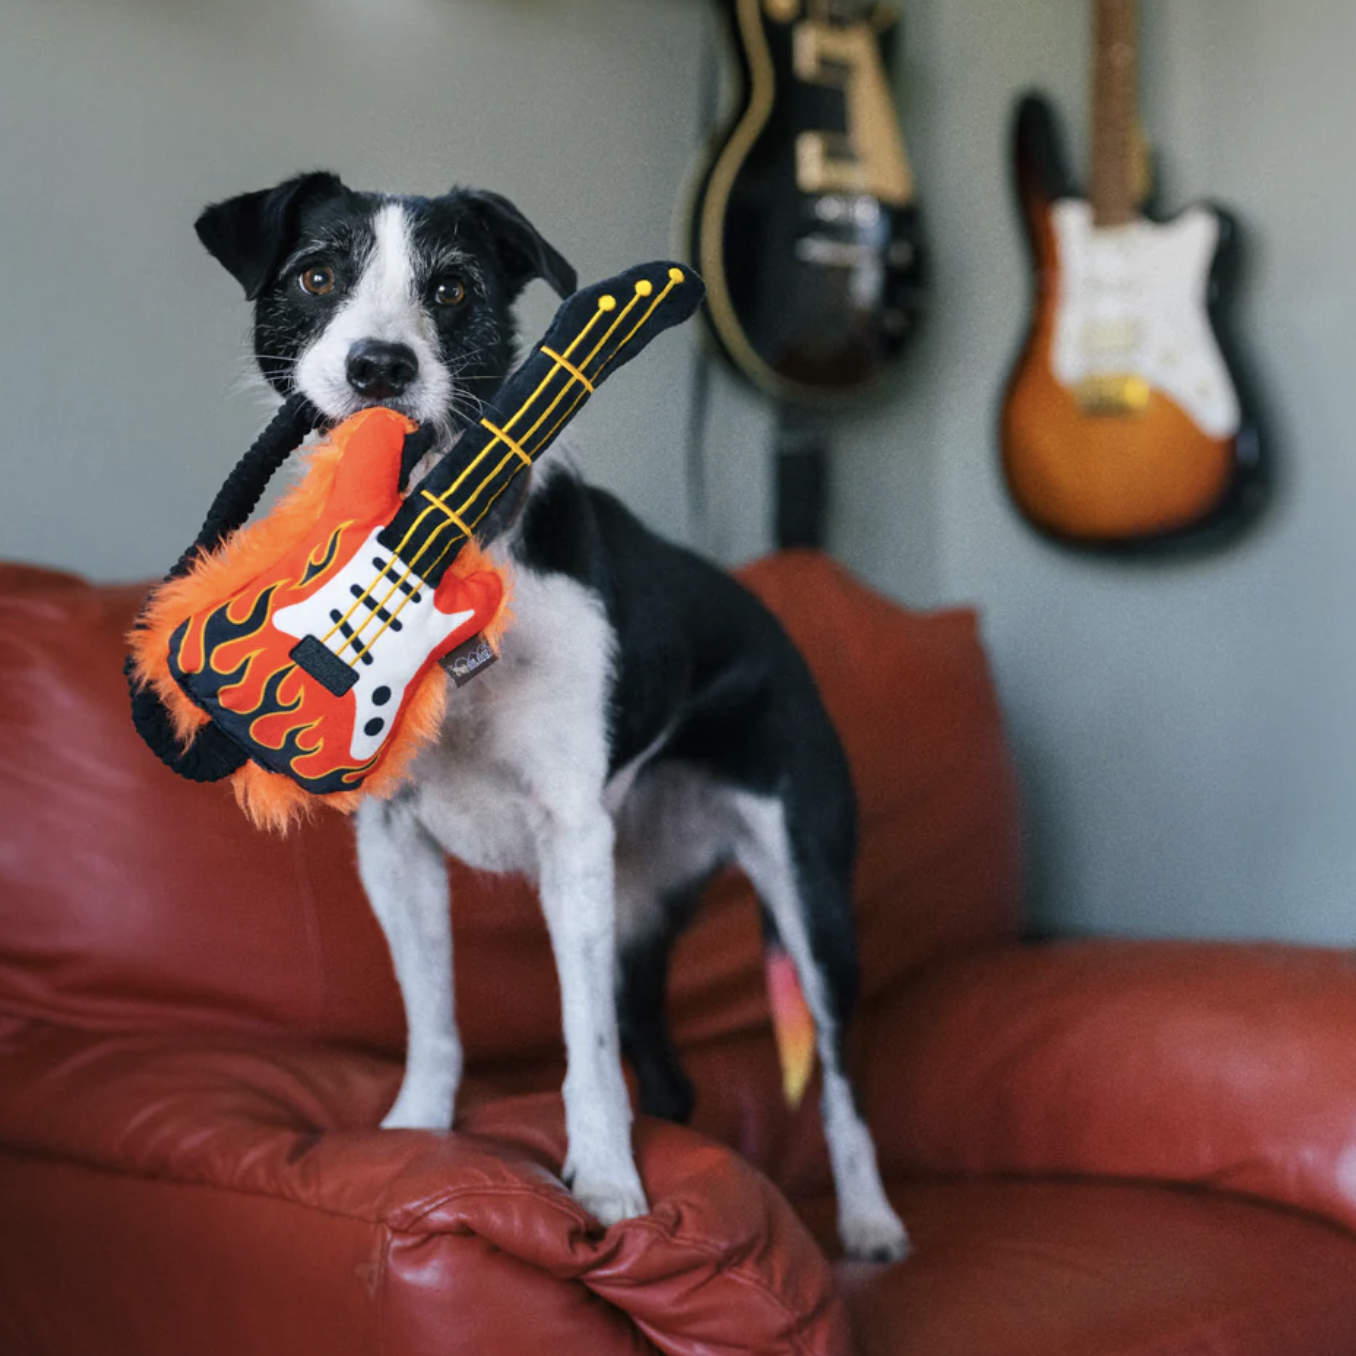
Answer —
296 654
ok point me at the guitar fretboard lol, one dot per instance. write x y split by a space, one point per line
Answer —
606 326
1113 178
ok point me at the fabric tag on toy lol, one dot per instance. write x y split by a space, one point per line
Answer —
468 659
793 1025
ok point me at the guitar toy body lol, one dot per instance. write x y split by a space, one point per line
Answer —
805 227
1123 424
311 666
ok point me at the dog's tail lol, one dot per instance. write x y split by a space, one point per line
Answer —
793 1024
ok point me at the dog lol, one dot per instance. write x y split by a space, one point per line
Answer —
647 724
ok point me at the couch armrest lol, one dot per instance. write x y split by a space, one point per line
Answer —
219 1148
1221 1065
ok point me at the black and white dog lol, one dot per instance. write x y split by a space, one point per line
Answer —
648 722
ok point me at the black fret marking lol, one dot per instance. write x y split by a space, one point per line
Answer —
383 566
393 622
348 633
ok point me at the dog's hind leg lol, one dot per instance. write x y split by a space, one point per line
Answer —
662 1087
673 835
803 885
405 875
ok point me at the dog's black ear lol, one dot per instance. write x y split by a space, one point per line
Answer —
522 251
250 234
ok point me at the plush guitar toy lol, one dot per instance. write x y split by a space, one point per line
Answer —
300 655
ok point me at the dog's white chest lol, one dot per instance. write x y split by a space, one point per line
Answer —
525 740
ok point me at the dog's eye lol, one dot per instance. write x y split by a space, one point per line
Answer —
318 281
451 292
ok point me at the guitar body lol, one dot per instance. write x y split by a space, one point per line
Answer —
289 665
1122 423
805 228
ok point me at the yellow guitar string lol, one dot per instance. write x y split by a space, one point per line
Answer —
675 277
367 592
433 535
643 288
605 304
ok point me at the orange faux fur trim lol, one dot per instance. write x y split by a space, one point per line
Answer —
269 799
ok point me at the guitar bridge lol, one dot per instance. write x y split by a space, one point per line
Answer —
1112 395
325 667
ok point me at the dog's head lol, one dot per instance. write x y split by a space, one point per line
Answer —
366 299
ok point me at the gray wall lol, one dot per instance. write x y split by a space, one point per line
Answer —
126 372
1186 731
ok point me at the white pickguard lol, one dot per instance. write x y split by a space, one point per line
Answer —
398 651
1133 302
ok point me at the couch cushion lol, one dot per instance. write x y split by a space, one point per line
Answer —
131 899
220 1194
1036 1268
1218 1064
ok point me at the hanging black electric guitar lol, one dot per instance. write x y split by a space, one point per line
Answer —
805 227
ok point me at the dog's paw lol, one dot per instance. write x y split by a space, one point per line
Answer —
879 1237
609 1203
608 1197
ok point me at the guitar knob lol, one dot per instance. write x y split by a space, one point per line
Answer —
782 11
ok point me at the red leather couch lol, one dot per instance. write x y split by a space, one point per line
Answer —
1098 1147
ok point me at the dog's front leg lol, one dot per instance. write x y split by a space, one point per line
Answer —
578 899
405 875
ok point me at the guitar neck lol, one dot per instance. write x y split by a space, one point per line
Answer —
595 332
1114 187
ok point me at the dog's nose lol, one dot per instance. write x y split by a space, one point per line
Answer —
379 370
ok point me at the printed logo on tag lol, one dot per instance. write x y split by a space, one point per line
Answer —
468 659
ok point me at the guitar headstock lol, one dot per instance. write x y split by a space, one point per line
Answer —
602 327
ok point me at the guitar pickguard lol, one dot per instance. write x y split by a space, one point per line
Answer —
1133 315
369 602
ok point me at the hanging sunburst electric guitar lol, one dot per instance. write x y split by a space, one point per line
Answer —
1123 424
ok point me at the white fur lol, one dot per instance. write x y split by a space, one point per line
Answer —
384 305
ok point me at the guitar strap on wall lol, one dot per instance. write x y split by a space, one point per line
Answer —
802 479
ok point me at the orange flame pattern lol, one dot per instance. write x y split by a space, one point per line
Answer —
237 667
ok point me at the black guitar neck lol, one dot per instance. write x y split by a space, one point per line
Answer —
595 332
